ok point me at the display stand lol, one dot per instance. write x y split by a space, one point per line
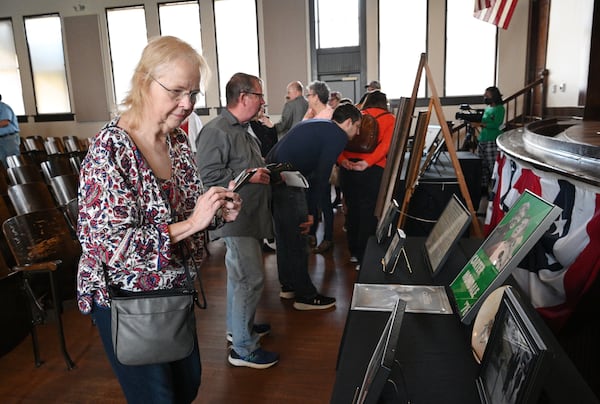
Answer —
413 171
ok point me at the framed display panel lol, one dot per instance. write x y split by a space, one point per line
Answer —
389 261
500 253
446 232
395 156
387 222
382 359
416 152
512 368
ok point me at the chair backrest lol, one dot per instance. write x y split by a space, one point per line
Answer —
30 197
41 237
64 188
57 164
54 145
71 212
16 160
6 212
35 142
72 143
24 174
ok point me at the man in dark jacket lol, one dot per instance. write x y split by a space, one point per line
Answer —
311 147
294 108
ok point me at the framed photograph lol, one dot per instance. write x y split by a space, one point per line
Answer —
389 261
501 252
382 359
395 159
513 362
387 222
445 234
430 299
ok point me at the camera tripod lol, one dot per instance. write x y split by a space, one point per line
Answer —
470 142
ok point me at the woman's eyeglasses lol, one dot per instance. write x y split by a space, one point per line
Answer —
178 95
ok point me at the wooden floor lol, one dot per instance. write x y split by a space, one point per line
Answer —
307 342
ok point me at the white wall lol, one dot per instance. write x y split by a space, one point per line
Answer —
568 57
285 48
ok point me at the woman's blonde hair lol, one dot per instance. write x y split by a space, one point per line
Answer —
160 52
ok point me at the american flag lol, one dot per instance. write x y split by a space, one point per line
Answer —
497 12
563 265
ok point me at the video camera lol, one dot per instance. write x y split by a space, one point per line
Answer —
469 114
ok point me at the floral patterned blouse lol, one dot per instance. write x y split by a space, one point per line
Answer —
124 213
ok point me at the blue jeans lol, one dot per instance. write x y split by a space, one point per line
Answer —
174 382
289 210
245 281
9 146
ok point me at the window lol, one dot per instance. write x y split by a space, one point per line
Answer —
470 50
127 36
183 21
10 78
45 43
336 23
399 57
237 39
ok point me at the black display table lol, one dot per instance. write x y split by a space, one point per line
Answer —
436 364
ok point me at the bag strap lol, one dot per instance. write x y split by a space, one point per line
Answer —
383 113
204 304
190 283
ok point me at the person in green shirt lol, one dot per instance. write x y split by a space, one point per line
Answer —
491 127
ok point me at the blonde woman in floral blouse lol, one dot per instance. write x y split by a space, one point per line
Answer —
139 198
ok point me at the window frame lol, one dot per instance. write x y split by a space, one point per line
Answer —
116 101
51 116
222 81
467 98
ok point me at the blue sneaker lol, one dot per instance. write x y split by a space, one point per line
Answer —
259 359
260 329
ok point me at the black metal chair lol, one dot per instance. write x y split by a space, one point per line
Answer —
35 142
16 160
54 145
71 212
24 173
57 164
72 144
64 188
30 197
47 255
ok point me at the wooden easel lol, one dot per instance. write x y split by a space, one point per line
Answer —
413 171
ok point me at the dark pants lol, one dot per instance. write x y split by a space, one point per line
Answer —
289 210
326 207
174 382
360 189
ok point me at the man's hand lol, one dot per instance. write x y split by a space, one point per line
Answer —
261 176
305 227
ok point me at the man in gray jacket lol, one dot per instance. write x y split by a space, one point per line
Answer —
293 110
225 148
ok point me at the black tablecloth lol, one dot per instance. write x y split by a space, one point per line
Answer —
435 363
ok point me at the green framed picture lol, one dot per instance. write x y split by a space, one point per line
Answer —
500 253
